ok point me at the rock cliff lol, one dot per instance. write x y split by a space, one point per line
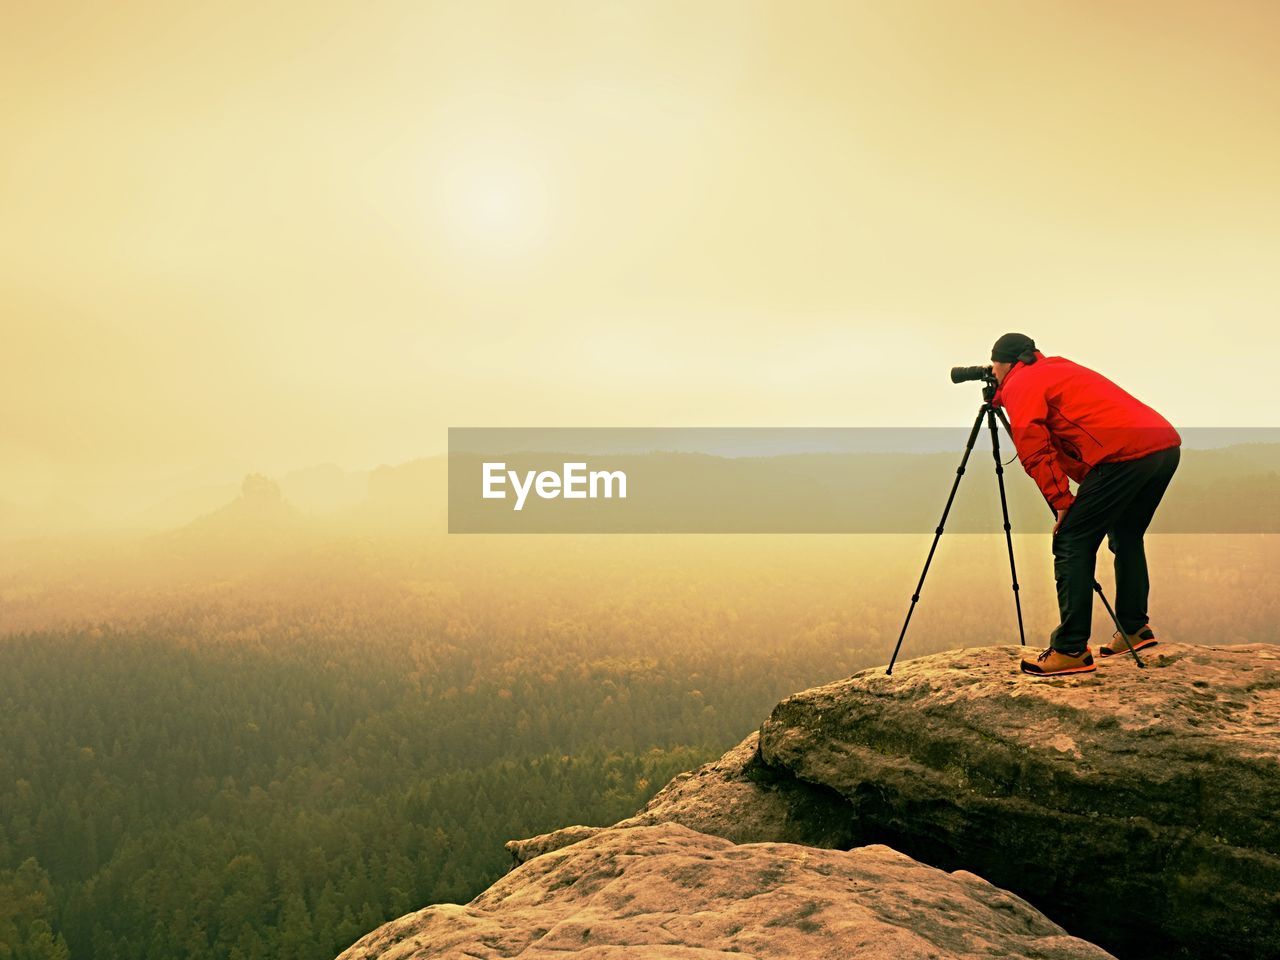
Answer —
1135 808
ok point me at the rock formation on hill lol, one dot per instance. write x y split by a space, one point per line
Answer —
664 890
1136 808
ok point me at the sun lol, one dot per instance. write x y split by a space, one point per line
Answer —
491 196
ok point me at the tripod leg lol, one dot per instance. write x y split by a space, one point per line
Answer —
1004 510
937 534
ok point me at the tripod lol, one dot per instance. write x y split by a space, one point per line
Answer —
990 412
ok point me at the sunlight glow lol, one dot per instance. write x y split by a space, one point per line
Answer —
491 198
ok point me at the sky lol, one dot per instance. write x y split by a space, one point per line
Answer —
245 236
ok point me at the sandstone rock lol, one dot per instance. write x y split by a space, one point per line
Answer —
666 891
734 797
1135 807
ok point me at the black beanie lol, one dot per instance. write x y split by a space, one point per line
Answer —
1013 347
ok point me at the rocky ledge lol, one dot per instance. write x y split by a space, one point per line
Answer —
1134 807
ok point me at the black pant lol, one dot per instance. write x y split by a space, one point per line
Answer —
1116 500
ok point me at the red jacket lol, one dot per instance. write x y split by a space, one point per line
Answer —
1067 419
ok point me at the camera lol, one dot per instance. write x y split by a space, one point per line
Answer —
965 374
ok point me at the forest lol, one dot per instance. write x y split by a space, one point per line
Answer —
268 756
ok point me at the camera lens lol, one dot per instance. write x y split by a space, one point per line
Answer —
965 374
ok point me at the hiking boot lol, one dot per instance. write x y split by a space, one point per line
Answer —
1055 663
1141 640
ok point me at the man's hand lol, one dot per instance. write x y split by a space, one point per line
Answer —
1062 514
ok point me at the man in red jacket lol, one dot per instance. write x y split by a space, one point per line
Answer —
1072 423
